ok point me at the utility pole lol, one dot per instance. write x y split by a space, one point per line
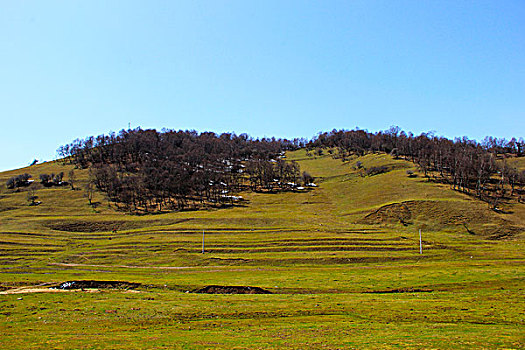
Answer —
202 241
420 243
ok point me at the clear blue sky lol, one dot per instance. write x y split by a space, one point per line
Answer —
282 68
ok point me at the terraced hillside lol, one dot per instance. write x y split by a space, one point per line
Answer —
340 261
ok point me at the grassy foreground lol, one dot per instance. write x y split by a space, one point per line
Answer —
342 263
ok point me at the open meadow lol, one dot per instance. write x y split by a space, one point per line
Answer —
340 262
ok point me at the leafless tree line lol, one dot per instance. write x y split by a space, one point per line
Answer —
480 169
146 170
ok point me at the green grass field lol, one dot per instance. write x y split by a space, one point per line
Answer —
342 263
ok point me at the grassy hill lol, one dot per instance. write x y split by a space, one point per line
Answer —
341 261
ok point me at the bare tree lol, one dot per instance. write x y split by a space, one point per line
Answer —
72 179
89 191
31 196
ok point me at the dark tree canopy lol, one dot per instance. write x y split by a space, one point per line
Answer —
147 170
18 181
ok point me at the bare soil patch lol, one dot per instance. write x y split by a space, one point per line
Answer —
503 232
310 249
6 208
26 290
214 289
401 290
90 284
102 226
440 214
313 243
128 266
337 260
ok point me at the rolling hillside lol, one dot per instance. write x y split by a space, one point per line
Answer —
341 261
